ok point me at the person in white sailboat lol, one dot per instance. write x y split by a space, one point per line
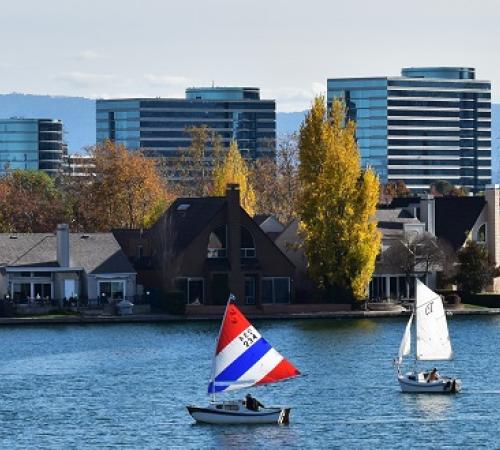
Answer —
433 375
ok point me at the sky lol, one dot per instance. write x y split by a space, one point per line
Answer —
144 48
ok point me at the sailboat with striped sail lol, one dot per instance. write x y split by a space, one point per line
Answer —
243 358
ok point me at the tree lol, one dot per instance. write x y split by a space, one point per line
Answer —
394 189
193 169
234 169
420 253
337 203
276 181
443 188
126 191
30 203
475 268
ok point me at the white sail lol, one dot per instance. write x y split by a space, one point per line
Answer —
405 346
433 340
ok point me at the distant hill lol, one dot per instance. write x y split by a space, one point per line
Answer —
288 122
77 114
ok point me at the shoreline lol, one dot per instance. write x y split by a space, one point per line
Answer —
160 318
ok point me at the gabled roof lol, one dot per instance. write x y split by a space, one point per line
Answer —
187 217
96 252
261 218
455 217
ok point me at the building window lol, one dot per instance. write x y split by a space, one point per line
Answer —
247 244
217 243
113 289
276 290
250 283
481 234
140 251
193 289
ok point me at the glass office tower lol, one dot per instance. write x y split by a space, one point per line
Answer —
429 124
159 125
31 144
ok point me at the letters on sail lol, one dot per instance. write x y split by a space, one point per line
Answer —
244 358
433 340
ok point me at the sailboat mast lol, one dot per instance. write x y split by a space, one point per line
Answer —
231 297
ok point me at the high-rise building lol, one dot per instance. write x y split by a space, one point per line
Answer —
159 125
429 124
31 144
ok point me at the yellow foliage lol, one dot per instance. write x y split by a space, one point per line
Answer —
234 169
337 202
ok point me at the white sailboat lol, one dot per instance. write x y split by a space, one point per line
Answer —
432 344
243 358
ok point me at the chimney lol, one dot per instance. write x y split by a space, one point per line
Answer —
428 213
63 245
233 195
236 279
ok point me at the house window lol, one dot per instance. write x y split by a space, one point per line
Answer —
193 289
217 243
276 290
113 289
247 244
481 234
140 251
250 283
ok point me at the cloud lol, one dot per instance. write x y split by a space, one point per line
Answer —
84 79
289 99
167 80
89 55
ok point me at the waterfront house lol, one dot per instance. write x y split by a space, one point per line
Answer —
207 247
460 219
48 268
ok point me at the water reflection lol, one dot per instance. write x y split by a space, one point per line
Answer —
434 405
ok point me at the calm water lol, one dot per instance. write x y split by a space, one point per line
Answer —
126 386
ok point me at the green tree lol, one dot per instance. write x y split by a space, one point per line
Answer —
234 169
443 188
475 268
337 203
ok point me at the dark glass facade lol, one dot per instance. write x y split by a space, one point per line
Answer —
429 124
159 126
31 144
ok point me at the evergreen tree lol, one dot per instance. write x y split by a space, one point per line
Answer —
337 203
475 268
234 169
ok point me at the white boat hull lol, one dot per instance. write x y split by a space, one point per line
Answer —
413 383
235 413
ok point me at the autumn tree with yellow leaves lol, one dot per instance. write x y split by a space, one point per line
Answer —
234 169
337 203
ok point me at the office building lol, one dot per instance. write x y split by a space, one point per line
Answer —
76 165
428 124
31 144
159 125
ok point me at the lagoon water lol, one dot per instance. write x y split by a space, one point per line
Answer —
109 386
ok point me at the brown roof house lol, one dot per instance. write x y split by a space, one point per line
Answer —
47 268
208 247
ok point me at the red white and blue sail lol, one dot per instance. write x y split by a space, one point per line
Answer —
244 358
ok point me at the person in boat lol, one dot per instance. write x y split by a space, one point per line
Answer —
433 375
252 403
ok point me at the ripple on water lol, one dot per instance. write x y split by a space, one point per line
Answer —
126 386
